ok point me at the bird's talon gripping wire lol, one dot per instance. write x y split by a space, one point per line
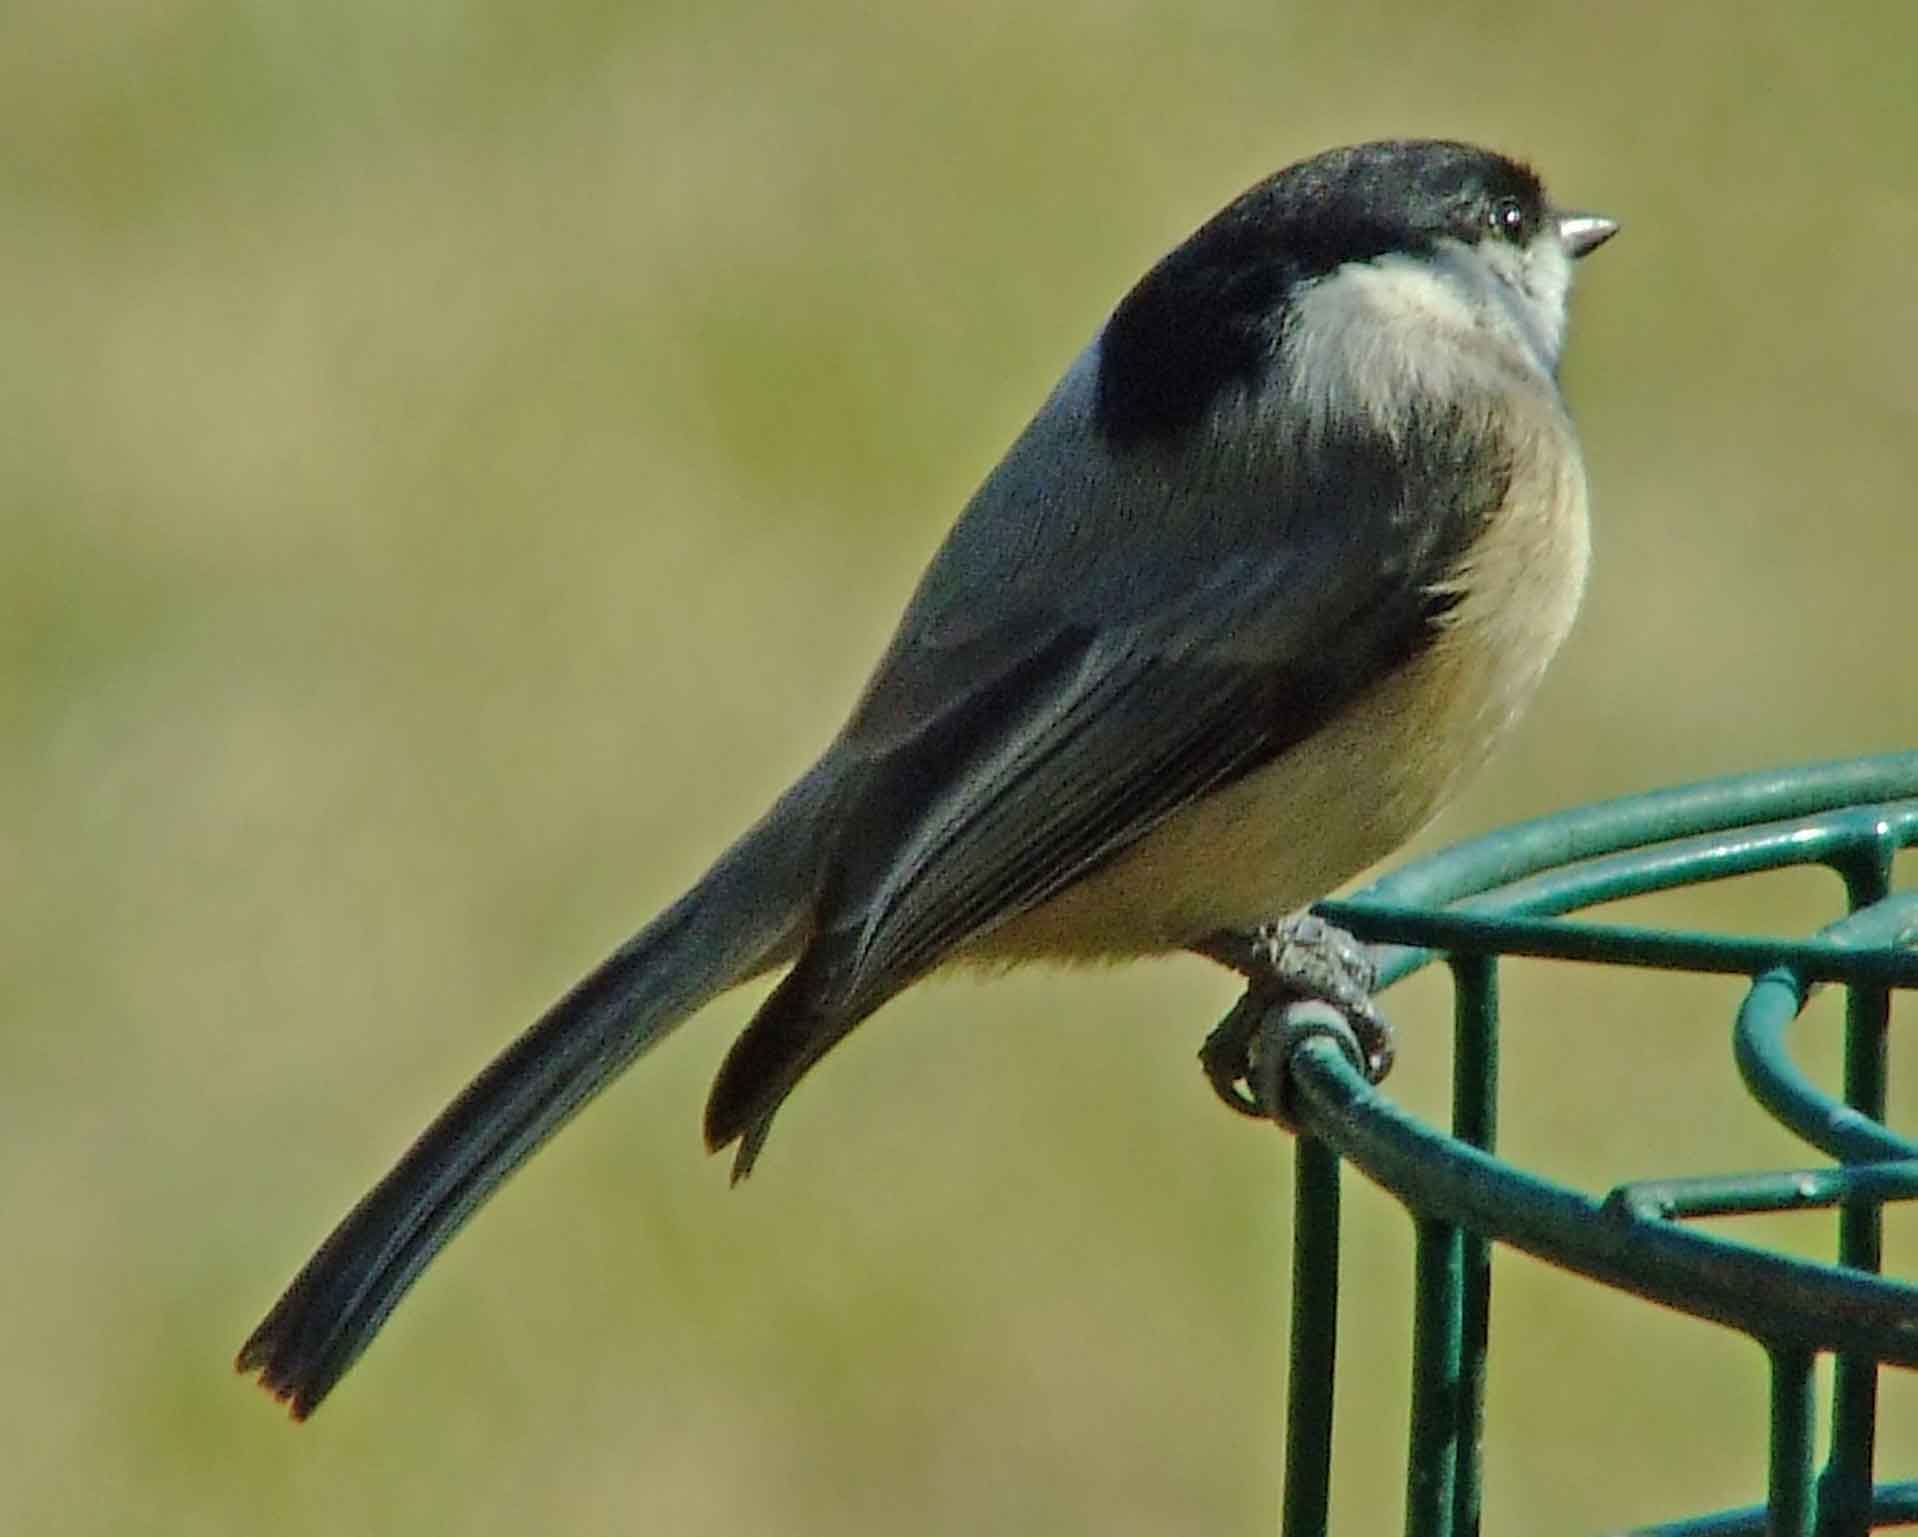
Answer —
1304 978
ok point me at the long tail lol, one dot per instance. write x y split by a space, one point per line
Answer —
744 918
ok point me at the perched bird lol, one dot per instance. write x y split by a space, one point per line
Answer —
1278 561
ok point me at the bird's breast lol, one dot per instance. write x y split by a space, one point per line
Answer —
1355 790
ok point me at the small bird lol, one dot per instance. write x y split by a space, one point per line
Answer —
1276 564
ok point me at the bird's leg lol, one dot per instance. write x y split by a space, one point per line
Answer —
1297 959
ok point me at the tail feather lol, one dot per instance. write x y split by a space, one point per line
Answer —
741 920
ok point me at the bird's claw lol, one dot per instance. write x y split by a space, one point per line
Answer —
1301 960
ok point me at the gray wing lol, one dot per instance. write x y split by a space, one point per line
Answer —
1098 736
1036 714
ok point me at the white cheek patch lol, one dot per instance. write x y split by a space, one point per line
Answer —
1377 333
1401 327
1410 289
1547 286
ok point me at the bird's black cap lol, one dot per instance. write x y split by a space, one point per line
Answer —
1206 318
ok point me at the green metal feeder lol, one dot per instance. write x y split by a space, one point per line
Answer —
1506 895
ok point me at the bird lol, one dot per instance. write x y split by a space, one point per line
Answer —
1270 572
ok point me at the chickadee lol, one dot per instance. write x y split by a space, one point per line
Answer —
1278 561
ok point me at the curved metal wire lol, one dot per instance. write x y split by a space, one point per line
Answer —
1507 894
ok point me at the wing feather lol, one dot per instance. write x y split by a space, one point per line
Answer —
1050 700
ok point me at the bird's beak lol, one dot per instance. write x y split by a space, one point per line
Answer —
1583 233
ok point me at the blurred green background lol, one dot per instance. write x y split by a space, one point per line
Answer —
460 461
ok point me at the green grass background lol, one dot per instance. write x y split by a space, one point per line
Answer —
459 460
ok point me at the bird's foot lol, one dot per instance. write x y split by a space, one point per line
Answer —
1301 959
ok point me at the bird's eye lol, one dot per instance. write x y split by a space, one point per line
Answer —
1507 219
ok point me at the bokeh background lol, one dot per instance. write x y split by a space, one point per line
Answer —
459 461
